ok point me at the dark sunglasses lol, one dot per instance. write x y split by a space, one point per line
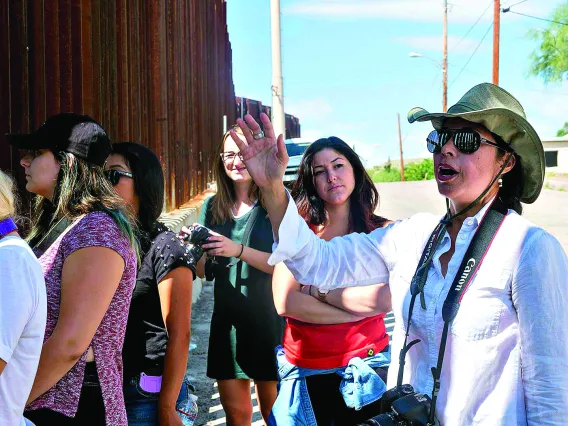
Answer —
113 176
467 141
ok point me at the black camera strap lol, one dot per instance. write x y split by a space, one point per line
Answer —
471 262
53 234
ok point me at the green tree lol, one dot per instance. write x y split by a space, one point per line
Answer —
423 170
563 131
550 60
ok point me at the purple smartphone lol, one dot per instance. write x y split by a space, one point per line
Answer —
151 384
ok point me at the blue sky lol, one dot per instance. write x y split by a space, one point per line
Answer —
347 70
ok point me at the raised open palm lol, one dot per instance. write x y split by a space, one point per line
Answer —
265 157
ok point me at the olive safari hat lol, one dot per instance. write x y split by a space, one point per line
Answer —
500 113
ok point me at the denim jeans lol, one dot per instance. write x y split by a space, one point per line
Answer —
142 406
360 386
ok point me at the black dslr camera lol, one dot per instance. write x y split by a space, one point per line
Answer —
198 236
401 406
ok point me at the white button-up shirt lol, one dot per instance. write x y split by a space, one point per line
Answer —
506 359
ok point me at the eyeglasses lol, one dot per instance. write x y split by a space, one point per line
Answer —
467 141
113 176
229 157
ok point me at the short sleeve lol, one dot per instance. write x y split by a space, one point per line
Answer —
96 229
204 210
16 289
168 253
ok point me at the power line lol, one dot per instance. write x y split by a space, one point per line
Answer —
508 9
473 26
477 47
516 4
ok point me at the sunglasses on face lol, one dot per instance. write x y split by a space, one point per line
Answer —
113 176
229 157
467 141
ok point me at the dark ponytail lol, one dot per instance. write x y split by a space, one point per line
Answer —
512 188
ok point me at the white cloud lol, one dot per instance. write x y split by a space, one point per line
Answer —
435 43
410 10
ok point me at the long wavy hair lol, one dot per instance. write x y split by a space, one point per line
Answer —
81 188
149 187
226 198
363 200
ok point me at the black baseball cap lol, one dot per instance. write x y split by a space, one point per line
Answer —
77 134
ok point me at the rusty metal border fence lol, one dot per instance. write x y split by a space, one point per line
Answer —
154 71
255 108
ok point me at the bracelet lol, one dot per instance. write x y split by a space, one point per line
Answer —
241 253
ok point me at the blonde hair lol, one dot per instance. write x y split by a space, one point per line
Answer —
7 196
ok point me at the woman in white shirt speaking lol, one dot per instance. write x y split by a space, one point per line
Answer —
23 309
486 290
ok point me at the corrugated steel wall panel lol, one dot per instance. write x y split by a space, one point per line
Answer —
156 72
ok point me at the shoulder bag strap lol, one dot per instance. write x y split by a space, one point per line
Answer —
53 234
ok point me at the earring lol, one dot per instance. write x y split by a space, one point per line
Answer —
500 183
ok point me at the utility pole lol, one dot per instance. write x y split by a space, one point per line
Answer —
400 144
445 60
278 118
496 28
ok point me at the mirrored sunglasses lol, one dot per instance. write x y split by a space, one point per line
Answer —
113 176
466 141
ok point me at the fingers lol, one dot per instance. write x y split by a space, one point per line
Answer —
213 245
247 131
282 152
268 128
240 143
253 125
215 233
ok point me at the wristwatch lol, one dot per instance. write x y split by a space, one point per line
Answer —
322 295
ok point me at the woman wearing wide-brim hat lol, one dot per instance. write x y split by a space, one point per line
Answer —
505 348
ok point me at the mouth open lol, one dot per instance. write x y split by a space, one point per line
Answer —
446 173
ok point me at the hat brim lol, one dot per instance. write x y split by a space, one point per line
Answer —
513 129
25 141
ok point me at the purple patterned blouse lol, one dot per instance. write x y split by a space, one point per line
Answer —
94 229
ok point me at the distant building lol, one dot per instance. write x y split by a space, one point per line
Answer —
556 154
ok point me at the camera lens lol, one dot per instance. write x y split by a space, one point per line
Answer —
381 420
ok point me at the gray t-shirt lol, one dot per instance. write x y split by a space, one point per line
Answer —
23 310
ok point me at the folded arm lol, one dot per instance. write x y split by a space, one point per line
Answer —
366 301
291 302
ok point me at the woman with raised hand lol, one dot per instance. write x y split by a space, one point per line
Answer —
324 333
480 295
22 311
83 236
245 327
158 331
